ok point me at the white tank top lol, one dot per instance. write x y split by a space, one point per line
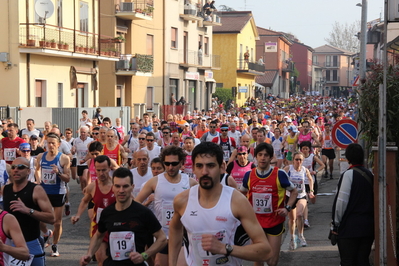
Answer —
164 194
139 180
308 163
218 220
298 179
32 166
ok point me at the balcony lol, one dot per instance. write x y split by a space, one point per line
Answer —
333 81
212 20
192 13
56 41
331 64
189 58
135 65
288 66
250 68
135 10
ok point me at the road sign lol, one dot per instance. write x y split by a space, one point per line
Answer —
356 82
344 132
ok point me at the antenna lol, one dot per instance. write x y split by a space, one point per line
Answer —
44 8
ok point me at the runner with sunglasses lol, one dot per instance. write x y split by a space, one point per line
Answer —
165 187
227 143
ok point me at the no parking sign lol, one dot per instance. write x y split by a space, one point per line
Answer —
344 132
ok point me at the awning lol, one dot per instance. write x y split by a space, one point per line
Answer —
210 80
258 85
394 44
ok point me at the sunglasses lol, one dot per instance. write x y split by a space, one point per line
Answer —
224 130
165 133
95 133
141 138
155 125
25 151
298 159
171 163
19 166
242 153
132 123
212 127
150 140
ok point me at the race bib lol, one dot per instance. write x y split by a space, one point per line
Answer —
328 144
48 176
203 257
15 262
167 213
121 245
262 203
298 183
81 155
10 154
226 155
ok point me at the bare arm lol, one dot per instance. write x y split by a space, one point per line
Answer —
233 156
12 228
176 227
95 243
193 182
320 163
231 182
84 202
65 163
38 173
147 189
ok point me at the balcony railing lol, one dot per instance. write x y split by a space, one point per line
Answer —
245 65
193 58
137 62
136 9
331 64
336 80
288 66
67 40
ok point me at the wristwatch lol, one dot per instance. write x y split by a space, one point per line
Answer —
288 207
229 249
31 211
145 256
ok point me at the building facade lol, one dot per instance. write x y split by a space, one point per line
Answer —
235 41
302 56
275 50
51 52
337 70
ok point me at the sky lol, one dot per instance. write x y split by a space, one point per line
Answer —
309 20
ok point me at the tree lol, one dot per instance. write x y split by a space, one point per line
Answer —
344 36
225 8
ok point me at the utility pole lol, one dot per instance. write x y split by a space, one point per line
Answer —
363 41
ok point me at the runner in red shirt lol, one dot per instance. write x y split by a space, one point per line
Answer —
10 144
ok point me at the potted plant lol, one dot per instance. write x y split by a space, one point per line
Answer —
31 42
119 39
42 43
138 10
53 43
60 45
91 50
150 10
65 46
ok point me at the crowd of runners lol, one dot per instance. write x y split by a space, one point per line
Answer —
189 171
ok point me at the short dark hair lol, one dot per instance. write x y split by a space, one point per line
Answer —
354 153
173 150
54 136
96 146
264 147
30 119
12 125
305 144
208 148
84 112
123 172
156 160
102 158
107 119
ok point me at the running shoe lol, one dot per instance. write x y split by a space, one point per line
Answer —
331 176
293 244
326 174
67 209
306 223
46 238
78 180
303 242
54 251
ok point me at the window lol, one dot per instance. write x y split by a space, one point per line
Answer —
150 98
150 44
59 13
60 95
315 60
206 45
332 75
39 93
84 16
118 95
200 37
173 43
332 61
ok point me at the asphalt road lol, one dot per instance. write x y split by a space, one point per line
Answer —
75 239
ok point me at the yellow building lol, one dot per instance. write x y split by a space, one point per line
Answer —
136 79
235 42
50 51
